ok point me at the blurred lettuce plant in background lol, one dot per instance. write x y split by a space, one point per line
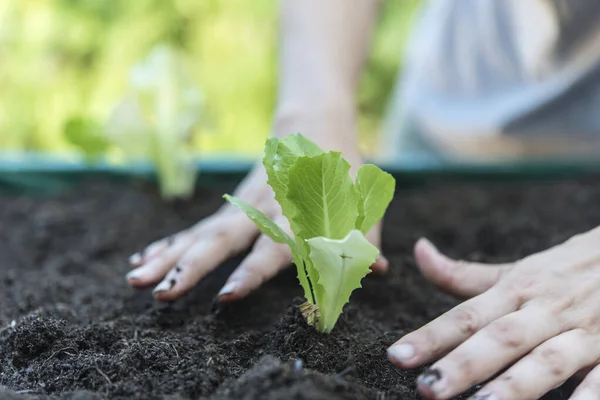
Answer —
77 74
158 119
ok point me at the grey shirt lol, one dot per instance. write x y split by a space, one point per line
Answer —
495 74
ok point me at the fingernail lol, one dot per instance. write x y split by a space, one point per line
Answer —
228 289
164 286
431 253
134 275
483 396
135 259
430 382
401 353
382 258
425 242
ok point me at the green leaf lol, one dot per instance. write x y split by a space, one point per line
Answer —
376 189
280 155
87 135
341 265
266 225
274 231
323 195
300 146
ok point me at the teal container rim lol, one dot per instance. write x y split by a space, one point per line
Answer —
230 163
43 174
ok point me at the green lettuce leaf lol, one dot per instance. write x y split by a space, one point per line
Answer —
376 189
324 197
266 225
341 264
279 157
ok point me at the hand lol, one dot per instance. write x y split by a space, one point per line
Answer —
539 317
179 262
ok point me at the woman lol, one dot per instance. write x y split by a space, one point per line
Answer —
483 79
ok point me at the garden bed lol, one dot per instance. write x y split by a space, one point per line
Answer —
80 332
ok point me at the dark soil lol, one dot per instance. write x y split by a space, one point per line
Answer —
80 332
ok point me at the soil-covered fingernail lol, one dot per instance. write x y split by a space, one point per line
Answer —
164 286
430 382
401 353
228 289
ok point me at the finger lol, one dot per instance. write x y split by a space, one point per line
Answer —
456 277
264 262
159 264
266 259
381 264
589 389
151 251
450 329
235 232
548 366
496 346
197 262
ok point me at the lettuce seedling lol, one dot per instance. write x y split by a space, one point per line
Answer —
329 215
158 119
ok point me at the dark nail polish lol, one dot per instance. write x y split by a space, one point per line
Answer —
429 377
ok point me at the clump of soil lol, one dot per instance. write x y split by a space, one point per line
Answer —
80 332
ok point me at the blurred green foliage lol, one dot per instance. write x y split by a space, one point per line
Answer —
88 136
65 65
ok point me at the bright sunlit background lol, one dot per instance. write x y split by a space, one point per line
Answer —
67 64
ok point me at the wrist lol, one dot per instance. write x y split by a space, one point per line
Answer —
331 127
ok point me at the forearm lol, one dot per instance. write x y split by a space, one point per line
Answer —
324 45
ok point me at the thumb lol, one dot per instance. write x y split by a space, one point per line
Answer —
460 278
381 264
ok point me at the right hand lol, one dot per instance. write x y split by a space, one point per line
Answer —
179 262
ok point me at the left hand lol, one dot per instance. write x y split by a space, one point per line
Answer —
535 322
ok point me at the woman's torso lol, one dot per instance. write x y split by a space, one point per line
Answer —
504 71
